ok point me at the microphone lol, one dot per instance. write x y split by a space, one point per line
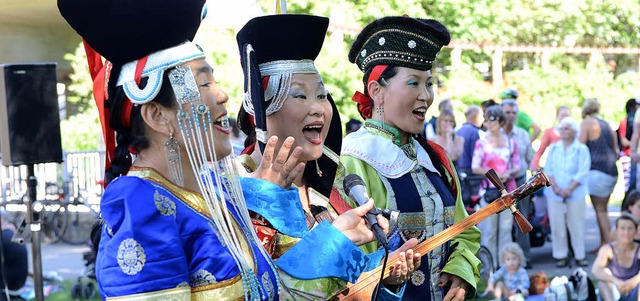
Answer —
354 187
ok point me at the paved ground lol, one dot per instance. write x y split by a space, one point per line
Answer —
66 260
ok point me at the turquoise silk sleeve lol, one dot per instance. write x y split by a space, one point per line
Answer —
281 207
334 255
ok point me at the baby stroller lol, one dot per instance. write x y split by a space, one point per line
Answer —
85 287
539 219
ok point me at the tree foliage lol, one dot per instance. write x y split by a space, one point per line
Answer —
568 79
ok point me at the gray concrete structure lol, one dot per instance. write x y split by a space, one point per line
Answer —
34 31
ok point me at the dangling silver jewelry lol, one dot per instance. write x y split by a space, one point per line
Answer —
380 110
172 151
318 169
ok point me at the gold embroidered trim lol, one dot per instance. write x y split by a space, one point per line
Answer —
172 294
227 290
330 154
192 198
403 32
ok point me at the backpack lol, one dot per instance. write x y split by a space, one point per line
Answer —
576 287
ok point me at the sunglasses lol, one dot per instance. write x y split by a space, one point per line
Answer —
493 118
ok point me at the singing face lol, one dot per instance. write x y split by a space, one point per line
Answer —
305 115
216 99
406 98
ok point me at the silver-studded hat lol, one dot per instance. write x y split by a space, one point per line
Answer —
399 41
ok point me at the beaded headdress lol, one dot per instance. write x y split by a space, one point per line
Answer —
399 41
276 47
145 38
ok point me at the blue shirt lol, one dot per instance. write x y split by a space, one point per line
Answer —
567 165
471 134
518 280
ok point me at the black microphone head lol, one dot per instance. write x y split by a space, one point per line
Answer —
350 181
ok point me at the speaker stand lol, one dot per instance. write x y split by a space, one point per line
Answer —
33 220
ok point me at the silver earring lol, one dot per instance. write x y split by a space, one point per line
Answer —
380 110
172 151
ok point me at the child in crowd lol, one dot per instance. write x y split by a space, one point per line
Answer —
511 280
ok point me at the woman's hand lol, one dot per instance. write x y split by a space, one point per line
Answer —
458 288
354 227
284 168
408 261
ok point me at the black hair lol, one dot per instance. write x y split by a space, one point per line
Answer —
352 125
234 127
630 106
633 197
626 216
134 136
496 111
388 73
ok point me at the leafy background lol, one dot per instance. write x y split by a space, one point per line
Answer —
567 79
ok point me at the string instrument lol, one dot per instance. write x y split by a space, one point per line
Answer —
364 288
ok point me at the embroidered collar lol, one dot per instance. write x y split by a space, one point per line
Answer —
393 133
376 147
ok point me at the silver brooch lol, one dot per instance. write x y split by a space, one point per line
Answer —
381 41
417 278
164 204
131 256
363 53
412 44
202 277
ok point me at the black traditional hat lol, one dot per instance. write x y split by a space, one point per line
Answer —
126 30
139 38
277 46
399 41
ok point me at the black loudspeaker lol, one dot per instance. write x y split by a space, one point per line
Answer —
29 114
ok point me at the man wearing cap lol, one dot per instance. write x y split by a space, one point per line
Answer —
523 121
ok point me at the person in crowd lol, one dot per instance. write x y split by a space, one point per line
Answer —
401 169
603 175
523 120
511 279
447 137
631 205
549 136
175 219
15 266
469 131
352 125
299 107
430 126
485 105
625 135
617 266
567 167
237 137
498 152
525 150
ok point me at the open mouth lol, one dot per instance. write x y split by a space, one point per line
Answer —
313 133
420 113
223 124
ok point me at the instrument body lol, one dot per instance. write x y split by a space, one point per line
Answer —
363 289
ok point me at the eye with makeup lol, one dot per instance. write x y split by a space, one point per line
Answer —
294 93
